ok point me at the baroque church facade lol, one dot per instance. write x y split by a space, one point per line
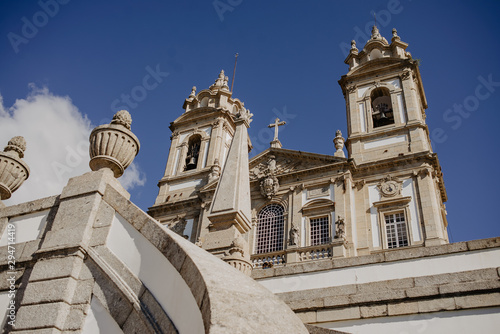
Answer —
354 242
388 192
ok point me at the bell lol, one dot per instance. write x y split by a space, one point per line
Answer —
192 163
382 114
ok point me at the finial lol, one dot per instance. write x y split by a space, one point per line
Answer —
193 92
394 35
122 117
113 147
353 46
219 82
375 33
13 170
16 147
339 144
245 115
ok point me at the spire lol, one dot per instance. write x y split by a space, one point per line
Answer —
193 92
220 82
231 210
232 196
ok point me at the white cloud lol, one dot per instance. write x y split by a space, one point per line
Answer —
57 143
132 177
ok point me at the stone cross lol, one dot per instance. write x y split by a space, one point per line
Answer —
275 126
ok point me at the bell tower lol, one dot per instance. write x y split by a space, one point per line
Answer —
389 146
385 101
200 143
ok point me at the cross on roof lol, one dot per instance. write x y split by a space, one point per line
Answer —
275 126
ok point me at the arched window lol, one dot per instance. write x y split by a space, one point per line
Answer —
270 229
193 152
382 112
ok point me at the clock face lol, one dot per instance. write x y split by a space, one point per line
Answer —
389 188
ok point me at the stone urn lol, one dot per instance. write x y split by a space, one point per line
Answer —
13 170
113 145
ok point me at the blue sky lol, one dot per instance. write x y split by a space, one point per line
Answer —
66 65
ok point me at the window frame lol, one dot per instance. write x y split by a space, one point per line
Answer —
277 231
393 209
396 230
329 237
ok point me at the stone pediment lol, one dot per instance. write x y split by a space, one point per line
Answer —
279 161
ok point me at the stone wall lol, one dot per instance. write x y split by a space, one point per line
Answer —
72 265
456 277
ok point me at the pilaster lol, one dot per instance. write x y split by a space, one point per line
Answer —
431 210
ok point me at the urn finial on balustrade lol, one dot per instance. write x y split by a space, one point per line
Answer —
13 170
113 145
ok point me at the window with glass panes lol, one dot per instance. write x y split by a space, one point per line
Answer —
270 229
320 230
395 227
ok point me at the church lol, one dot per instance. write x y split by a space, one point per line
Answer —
354 242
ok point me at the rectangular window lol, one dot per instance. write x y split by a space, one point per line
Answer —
320 230
395 226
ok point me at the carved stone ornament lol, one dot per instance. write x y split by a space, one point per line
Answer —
375 33
389 187
394 35
339 144
175 134
13 170
269 186
193 92
113 145
214 171
122 117
238 246
353 46
198 242
351 88
219 82
238 256
178 226
244 115
339 228
405 75
359 184
294 236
